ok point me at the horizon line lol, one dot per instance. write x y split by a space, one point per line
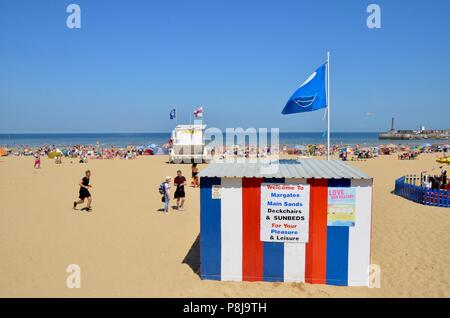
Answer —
155 132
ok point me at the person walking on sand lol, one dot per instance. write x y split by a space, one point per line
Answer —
164 189
37 161
194 181
180 182
84 192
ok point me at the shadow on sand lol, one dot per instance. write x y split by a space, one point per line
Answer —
174 208
192 258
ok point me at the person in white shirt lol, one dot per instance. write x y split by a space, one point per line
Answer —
167 194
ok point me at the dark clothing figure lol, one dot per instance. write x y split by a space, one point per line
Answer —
84 193
179 182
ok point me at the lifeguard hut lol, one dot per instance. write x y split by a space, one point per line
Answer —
188 144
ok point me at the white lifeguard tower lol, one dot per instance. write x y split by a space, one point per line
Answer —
188 144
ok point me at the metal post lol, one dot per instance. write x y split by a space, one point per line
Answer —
328 106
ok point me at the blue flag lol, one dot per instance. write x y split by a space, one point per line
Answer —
309 96
173 114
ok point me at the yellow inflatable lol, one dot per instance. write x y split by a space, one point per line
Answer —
54 154
444 160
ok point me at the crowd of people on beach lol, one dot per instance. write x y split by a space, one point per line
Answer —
357 153
410 155
345 152
82 154
90 151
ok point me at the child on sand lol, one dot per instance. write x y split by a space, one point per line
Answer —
84 192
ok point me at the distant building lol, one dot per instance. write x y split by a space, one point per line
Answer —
422 133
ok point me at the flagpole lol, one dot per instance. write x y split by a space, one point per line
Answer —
328 105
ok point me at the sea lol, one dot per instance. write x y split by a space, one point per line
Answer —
159 138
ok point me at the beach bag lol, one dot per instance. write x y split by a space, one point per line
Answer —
163 199
162 188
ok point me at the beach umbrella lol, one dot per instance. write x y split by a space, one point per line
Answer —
425 145
148 152
3 152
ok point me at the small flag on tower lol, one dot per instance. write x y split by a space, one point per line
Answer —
198 112
173 113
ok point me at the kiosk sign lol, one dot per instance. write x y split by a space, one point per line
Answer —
284 212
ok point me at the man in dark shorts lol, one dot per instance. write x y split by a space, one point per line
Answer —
180 182
84 192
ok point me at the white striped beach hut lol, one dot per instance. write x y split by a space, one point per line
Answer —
289 221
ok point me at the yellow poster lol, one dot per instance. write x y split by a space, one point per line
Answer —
341 207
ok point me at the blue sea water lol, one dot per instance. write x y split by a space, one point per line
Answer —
124 139
68 139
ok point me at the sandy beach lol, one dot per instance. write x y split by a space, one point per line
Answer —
127 248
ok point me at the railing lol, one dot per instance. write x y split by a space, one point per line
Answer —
407 187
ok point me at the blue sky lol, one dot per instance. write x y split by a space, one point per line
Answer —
132 61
